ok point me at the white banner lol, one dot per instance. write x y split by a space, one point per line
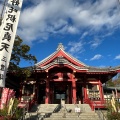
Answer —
7 35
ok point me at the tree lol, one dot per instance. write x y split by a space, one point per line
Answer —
20 51
110 83
117 82
16 74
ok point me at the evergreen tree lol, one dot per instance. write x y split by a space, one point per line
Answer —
20 51
110 83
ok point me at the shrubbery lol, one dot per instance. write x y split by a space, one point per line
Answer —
14 115
113 114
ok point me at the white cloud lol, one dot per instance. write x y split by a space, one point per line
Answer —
96 57
76 47
84 34
44 17
72 30
95 43
40 18
117 57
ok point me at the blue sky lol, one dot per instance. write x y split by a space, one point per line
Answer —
88 29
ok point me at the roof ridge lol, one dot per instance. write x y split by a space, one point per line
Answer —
61 47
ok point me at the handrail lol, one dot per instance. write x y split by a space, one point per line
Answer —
57 108
25 109
93 106
88 101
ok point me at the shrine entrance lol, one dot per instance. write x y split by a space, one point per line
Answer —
61 91
79 93
41 94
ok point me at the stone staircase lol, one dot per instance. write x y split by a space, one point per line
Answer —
69 113
55 112
73 116
40 111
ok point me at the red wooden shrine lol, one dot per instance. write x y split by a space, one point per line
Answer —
61 76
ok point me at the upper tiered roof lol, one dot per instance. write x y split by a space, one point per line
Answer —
61 57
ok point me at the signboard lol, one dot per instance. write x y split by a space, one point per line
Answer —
7 35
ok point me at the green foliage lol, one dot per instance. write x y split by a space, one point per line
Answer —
110 83
20 51
16 102
27 72
111 114
24 71
3 112
16 112
117 82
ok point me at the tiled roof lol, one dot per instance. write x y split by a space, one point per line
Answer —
60 47
65 61
106 69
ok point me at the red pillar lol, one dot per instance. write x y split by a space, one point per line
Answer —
50 95
47 92
101 90
85 92
73 90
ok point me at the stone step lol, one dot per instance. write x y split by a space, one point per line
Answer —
59 114
75 115
46 110
71 117
94 117
79 118
83 107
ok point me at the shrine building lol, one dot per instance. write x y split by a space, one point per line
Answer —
60 76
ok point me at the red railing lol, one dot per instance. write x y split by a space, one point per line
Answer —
95 104
88 101
29 102
100 104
